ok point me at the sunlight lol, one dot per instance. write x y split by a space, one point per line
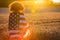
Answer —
56 1
28 31
39 1
36 2
33 11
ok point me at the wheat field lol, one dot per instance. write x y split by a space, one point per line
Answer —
45 26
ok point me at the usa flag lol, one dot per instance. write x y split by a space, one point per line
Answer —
18 26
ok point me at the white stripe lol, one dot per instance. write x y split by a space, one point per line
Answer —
27 32
22 26
23 21
22 16
15 31
15 35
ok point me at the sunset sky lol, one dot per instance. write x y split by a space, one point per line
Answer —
34 5
5 3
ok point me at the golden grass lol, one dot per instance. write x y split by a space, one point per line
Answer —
45 26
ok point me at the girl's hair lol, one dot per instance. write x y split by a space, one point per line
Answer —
16 6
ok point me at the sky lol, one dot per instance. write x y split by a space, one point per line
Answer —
5 3
33 6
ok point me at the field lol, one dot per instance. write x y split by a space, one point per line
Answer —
45 26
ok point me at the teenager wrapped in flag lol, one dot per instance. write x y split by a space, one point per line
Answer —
18 26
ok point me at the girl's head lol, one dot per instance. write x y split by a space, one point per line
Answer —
16 6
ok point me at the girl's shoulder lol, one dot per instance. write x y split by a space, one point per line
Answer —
16 13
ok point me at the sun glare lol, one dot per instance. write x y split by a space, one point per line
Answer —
36 2
39 1
56 1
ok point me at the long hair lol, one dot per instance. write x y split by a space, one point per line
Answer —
16 6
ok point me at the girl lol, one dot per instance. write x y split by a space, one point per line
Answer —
18 26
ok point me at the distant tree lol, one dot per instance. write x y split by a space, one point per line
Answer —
5 3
